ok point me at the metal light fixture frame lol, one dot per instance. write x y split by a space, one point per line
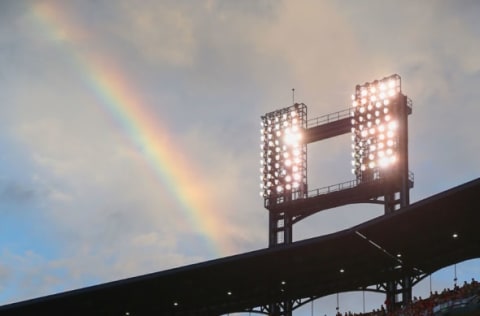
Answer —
283 170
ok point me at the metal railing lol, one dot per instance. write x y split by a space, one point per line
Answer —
333 188
297 195
347 185
328 118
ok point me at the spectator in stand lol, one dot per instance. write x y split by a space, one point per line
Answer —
424 307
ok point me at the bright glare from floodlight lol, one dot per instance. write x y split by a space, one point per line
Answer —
375 127
283 154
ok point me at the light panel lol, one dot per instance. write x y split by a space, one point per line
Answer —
375 127
283 153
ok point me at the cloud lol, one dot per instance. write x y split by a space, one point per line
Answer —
16 193
5 276
314 41
160 32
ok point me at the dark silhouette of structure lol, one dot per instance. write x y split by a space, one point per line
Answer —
423 233
378 122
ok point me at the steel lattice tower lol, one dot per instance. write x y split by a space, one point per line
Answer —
378 122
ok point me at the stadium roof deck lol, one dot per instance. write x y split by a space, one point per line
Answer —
367 254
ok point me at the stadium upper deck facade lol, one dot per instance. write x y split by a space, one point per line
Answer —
418 240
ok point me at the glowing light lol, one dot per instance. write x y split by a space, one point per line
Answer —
283 156
392 125
383 162
374 125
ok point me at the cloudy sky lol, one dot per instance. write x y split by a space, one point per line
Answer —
129 130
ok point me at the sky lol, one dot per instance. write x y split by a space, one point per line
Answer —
129 130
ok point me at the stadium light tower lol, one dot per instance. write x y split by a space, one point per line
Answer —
378 123
283 170
380 152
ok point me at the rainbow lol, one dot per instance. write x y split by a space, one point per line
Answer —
122 102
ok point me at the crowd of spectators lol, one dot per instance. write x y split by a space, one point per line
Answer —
427 306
